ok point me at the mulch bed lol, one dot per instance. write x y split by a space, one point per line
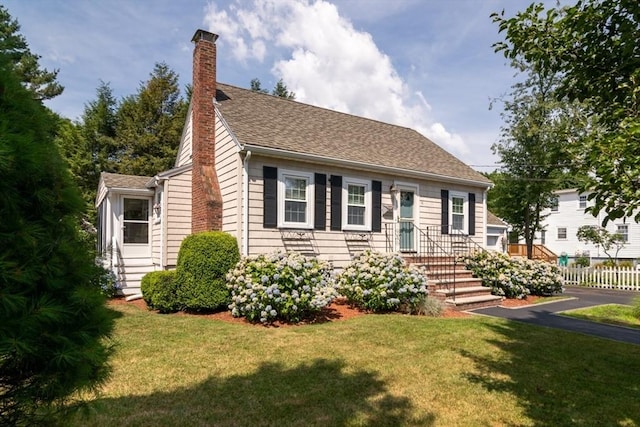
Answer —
337 311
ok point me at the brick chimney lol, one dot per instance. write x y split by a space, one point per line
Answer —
206 204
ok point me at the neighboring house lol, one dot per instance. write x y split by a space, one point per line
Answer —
496 233
279 174
568 214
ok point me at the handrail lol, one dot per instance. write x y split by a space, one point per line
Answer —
431 247
538 251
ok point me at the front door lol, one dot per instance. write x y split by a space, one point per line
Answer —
406 221
135 227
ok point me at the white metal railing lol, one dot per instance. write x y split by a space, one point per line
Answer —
625 278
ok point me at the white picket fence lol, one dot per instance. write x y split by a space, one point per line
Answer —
608 278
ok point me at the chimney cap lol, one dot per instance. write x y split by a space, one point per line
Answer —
204 35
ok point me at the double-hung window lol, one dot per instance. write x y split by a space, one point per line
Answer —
562 233
295 193
623 230
582 202
356 202
555 203
458 211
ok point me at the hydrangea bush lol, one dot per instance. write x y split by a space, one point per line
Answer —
382 282
515 277
280 286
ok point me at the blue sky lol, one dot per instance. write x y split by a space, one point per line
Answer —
424 64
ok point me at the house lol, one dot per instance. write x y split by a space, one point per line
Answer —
568 214
280 174
496 233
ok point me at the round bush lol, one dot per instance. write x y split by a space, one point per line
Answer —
159 291
515 277
382 282
203 262
288 287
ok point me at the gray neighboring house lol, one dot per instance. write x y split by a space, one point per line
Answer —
497 229
282 175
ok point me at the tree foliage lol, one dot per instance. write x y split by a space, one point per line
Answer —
594 46
532 152
279 90
600 237
53 320
149 125
41 82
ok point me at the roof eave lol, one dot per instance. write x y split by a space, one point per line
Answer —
274 152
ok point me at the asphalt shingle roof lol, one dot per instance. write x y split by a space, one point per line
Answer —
494 220
269 121
115 180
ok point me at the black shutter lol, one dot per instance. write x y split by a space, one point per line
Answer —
472 214
270 197
444 214
376 206
320 215
336 202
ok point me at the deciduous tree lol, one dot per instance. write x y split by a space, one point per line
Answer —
594 46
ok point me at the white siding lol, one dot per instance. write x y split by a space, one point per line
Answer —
184 150
334 245
229 171
177 224
572 217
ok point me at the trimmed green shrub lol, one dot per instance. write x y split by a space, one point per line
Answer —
515 277
625 264
159 291
288 287
203 262
381 282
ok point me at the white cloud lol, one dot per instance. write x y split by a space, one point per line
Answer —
326 62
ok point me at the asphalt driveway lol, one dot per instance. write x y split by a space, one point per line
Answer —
545 314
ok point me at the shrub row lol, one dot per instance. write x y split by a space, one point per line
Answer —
281 286
515 277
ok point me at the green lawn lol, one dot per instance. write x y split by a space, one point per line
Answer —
614 314
373 370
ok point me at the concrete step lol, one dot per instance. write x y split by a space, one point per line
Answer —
471 291
469 303
464 282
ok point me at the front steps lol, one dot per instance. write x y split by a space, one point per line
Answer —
455 286
129 274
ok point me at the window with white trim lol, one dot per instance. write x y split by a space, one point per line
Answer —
562 233
295 199
582 202
623 230
555 203
458 211
356 204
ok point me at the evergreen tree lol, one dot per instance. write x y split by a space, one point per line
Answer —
149 125
53 320
280 89
41 82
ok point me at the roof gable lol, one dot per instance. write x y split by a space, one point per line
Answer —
277 123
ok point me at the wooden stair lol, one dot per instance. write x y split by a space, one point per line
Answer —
454 285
